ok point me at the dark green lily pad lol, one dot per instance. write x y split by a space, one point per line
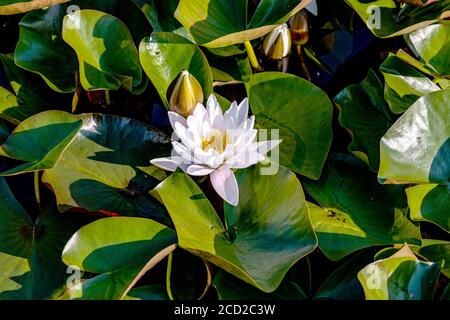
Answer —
356 212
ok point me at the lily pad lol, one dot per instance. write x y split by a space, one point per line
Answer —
107 56
150 292
430 202
356 212
107 168
121 249
417 147
301 112
30 94
435 251
160 14
385 18
105 160
404 84
164 55
220 23
4 133
40 140
399 278
432 45
263 238
365 114
233 69
42 50
30 252
20 6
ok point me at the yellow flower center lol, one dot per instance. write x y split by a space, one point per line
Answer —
216 139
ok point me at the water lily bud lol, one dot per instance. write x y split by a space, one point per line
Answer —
186 94
300 27
277 44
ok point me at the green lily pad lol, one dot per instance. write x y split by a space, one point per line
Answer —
121 249
386 19
42 50
430 202
4 133
164 55
220 23
364 113
20 6
430 250
40 140
160 14
399 278
150 292
30 252
264 236
432 45
417 147
30 94
301 112
107 168
228 51
9 106
108 58
104 159
343 283
404 84
356 212
435 251
231 69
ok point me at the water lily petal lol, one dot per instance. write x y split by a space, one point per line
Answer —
245 138
169 164
176 118
225 184
229 115
215 112
183 152
185 135
265 146
198 117
242 113
249 123
245 160
199 170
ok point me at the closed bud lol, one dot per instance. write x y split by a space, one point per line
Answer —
277 44
300 28
186 94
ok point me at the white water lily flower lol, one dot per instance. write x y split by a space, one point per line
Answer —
212 143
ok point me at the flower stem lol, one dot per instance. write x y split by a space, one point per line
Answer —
37 191
169 271
303 63
107 98
251 55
